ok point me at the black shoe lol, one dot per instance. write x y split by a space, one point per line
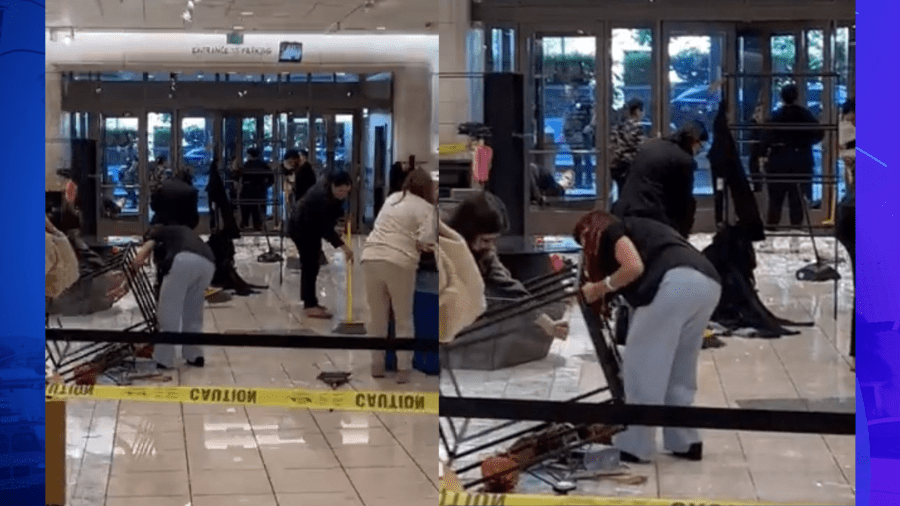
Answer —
695 453
629 458
198 362
162 367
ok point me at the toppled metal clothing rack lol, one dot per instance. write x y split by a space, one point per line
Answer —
65 360
550 288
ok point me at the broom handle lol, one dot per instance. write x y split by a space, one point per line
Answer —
349 279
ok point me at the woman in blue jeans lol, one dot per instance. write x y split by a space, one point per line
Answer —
674 291
184 267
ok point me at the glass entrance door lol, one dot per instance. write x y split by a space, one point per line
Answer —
195 155
119 178
565 84
695 59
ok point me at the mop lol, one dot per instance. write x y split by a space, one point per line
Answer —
819 270
349 326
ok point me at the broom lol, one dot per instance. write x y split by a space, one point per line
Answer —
350 326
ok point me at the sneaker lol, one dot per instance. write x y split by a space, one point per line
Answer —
403 376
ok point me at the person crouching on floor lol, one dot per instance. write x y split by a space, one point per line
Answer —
405 227
480 220
674 290
313 219
184 268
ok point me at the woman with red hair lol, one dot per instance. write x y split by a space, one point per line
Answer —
673 289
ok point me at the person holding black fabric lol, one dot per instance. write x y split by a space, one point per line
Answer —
790 158
305 177
313 219
256 178
674 289
660 182
175 202
184 268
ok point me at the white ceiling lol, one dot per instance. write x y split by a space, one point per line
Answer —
282 16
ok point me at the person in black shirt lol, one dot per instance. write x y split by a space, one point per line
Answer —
313 219
256 178
660 182
790 158
184 267
305 177
674 289
174 202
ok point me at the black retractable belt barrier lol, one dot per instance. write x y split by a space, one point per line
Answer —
295 341
762 420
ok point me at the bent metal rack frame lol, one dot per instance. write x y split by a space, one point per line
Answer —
65 360
546 290
612 411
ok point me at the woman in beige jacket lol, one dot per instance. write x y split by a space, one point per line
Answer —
461 288
405 227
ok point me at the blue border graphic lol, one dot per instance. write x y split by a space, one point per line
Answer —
21 304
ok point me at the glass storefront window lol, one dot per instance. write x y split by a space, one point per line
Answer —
632 80
124 75
503 50
382 76
841 57
815 89
784 61
196 76
299 78
342 77
321 78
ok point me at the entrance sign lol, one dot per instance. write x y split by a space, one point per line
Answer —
232 50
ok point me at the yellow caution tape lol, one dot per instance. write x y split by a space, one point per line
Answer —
420 403
452 149
451 498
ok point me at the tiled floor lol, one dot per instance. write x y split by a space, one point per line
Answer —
125 453
806 371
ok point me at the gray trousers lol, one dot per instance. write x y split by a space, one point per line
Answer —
181 301
661 353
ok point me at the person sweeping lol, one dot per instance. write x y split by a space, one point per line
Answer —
314 219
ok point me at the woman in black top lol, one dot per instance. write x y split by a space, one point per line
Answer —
313 219
674 290
184 267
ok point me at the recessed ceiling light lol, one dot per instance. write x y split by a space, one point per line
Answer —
238 27
381 28
246 13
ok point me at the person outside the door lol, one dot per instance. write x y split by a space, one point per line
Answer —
184 268
627 137
405 227
314 219
790 157
256 178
